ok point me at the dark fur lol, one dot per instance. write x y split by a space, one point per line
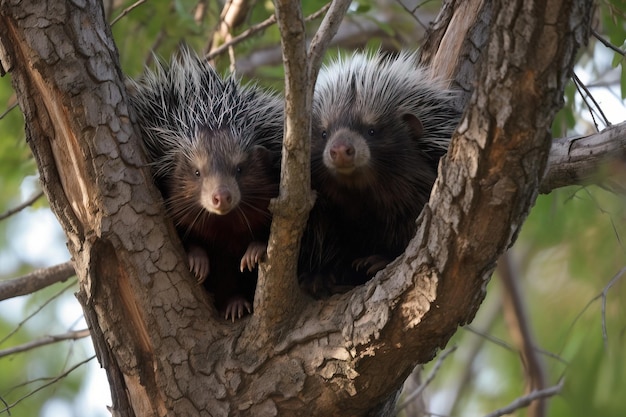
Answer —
213 140
374 158
253 174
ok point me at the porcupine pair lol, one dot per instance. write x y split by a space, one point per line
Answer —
380 126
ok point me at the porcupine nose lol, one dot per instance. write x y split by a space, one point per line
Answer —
222 199
342 154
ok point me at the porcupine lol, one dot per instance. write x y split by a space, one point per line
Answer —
215 149
380 126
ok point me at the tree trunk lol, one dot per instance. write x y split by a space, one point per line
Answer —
165 350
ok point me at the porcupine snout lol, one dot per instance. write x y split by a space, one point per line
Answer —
346 151
221 198
220 195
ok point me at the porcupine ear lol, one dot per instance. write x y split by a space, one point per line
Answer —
262 154
417 130
415 125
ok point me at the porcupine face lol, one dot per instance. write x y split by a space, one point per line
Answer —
357 149
376 119
352 149
216 164
218 178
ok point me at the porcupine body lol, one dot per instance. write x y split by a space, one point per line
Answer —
215 150
380 126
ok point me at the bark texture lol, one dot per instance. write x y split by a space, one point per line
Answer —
577 160
165 350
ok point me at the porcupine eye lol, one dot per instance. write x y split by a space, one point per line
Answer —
371 132
197 173
324 135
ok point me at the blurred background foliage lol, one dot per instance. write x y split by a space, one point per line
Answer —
568 257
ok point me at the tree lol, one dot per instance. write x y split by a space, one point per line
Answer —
163 347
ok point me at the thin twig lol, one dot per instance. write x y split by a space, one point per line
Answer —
6 405
503 344
605 212
46 340
427 381
493 339
596 106
52 381
607 43
527 399
257 28
11 107
605 334
602 295
241 37
20 324
413 10
327 30
22 206
127 10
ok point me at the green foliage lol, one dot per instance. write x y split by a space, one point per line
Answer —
14 152
32 372
613 18
157 27
585 222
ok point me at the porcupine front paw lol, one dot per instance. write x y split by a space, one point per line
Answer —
373 263
236 307
255 253
198 263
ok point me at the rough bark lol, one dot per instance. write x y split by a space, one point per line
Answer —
576 161
164 349
276 282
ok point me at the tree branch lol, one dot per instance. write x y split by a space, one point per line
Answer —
607 43
22 206
36 280
46 340
471 346
527 399
327 30
575 161
518 326
255 29
233 14
126 11
277 297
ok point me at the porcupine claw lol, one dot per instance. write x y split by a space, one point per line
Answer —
373 263
235 307
198 263
255 253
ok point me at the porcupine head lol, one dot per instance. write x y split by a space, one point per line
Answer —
375 116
